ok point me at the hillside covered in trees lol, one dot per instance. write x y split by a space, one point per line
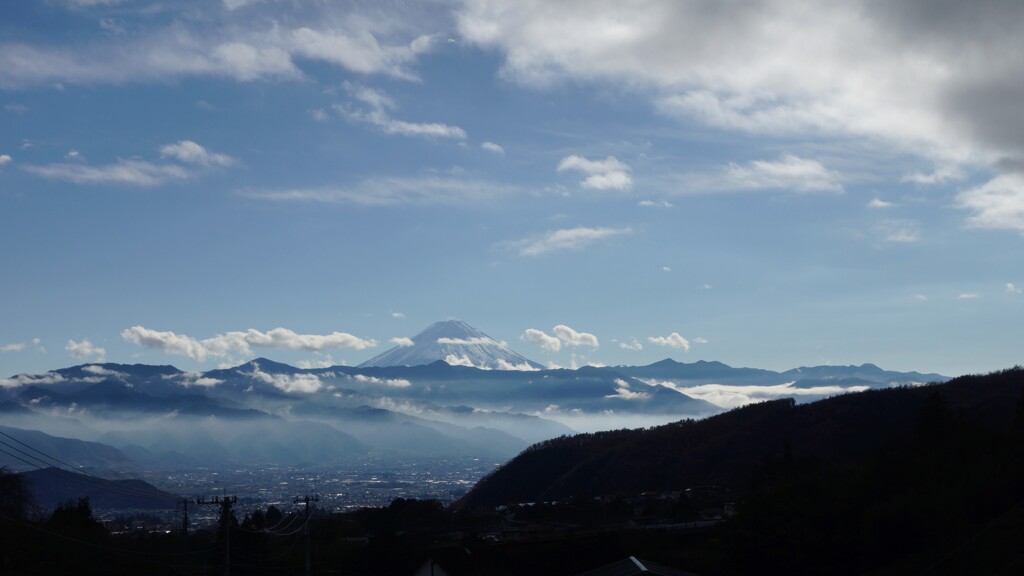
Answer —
885 482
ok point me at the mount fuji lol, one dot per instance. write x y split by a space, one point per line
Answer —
456 343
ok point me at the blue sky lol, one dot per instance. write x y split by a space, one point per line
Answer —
765 184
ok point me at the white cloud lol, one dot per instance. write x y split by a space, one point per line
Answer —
369 40
427 129
492 147
467 341
89 3
236 4
997 204
392 191
376 113
1011 288
565 240
85 349
666 269
941 175
127 172
397 315
97 370
501 364
919 298
539 337
728 396
699 340
240 343
634 345
302 382
31 380
878 203
194 379
654 204
358 50
389 382
573 338
607 174
968 296
524 367
673 340
895 75
287 339
15 347
5 159
403 341
179 344
623 391
788 173
462 360
246 62
191 153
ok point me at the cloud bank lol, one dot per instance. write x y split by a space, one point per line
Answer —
239 343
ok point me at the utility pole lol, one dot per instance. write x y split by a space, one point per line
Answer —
309 513
184 516
225 504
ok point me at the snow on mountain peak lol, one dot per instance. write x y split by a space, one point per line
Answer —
456 343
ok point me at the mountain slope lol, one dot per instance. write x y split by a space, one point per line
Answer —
454 342
726 449
18 455
53 486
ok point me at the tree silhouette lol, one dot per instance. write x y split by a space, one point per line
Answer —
16 500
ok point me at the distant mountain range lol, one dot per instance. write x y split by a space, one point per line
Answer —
451 390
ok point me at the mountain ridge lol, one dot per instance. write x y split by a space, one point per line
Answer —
725 449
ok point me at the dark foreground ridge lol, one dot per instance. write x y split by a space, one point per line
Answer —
726 449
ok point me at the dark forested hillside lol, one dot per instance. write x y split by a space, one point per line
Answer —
726 449
907 480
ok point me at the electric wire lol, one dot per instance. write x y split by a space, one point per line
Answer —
77 471
113 485
41 463
297 530
45 467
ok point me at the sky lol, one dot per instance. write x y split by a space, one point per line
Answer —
771 184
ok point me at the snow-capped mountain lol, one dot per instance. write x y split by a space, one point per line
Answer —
456 343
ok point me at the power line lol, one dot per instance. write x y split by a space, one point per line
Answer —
309 515
113 485
225 515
